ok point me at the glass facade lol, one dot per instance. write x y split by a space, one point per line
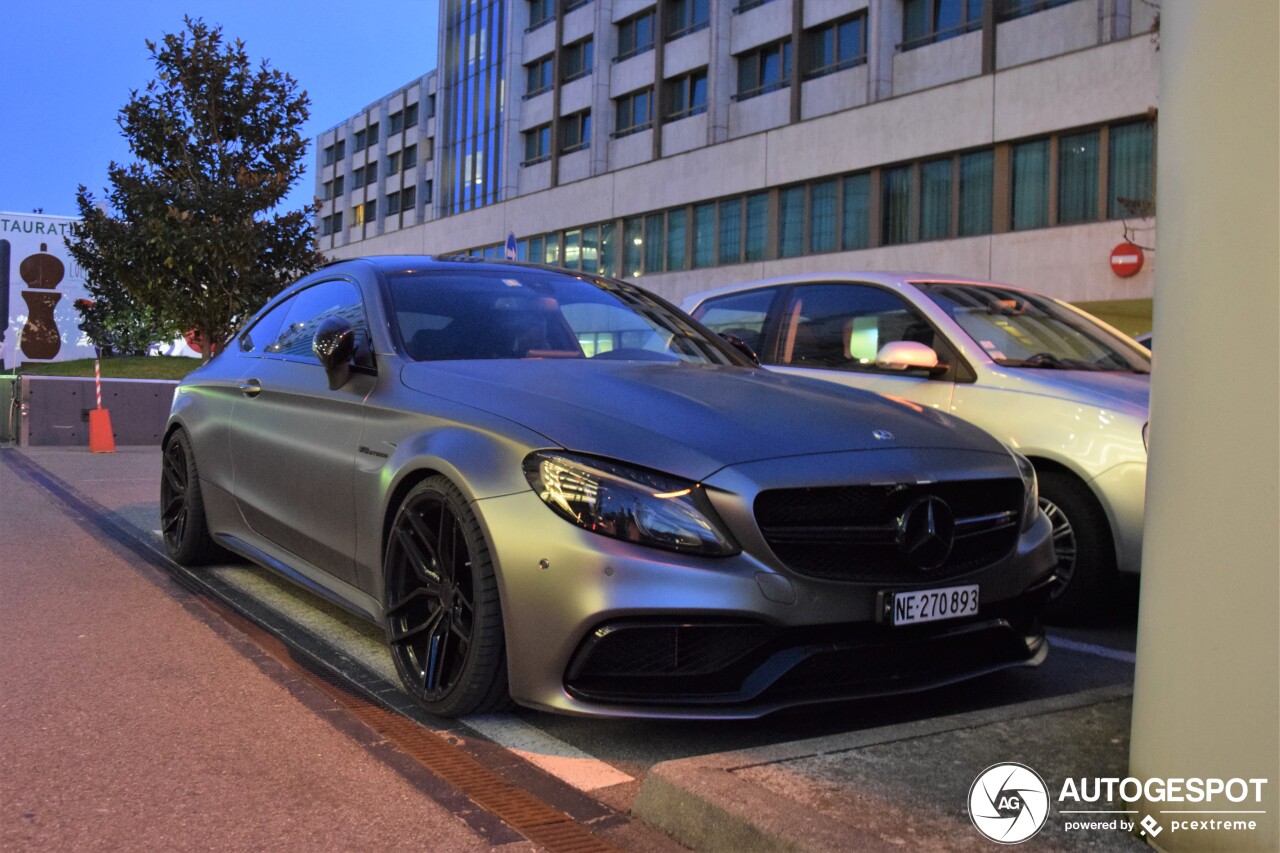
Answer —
473 104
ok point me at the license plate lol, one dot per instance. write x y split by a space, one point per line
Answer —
930 605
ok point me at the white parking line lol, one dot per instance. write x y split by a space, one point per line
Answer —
553 755
1090 649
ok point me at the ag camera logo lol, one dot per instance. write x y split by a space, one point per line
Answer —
1008 803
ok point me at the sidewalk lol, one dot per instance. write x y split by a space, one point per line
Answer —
128 723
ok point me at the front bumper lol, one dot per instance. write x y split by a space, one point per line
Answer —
603 627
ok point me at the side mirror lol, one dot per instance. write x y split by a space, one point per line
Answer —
741 346
334 344
905 355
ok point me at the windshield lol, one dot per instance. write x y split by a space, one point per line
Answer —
516 312
1020 329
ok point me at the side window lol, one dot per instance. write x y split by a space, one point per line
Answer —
309 308
257 337
742 315
843 326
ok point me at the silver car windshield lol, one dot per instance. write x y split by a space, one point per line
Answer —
1018 329
526 312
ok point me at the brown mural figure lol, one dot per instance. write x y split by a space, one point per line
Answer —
40 336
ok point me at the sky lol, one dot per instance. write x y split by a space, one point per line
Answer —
66 69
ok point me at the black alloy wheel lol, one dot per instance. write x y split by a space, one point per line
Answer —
444 620
182 519
1083 545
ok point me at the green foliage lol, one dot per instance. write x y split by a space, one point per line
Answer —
190 229
132 367
117 325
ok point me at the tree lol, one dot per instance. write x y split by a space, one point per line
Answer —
190 229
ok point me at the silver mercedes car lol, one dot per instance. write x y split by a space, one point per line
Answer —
559 489
1053 382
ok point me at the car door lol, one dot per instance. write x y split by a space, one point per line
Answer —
834 331
294 441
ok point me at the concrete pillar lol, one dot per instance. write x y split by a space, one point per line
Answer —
1207 689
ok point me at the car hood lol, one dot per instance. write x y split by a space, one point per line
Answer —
688 420
1130 392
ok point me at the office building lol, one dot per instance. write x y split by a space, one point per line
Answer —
694 143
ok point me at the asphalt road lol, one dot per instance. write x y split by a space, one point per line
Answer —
606 760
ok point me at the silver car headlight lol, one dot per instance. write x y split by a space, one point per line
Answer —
628 503
1030 490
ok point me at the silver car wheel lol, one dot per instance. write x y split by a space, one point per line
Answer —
1064 544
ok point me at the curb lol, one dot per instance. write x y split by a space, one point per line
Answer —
705 804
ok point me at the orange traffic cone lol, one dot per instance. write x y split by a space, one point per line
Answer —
101 439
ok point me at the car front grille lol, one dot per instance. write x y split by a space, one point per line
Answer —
854 533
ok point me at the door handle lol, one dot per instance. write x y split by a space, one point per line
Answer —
251 387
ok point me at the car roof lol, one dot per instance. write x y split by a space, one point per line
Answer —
895 279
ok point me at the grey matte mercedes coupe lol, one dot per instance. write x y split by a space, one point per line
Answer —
559 489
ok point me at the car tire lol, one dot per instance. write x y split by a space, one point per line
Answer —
444 617
1082 540
183 524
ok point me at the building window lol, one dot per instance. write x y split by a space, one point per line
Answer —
757 227
687 16
654 233
326 226
928 21
836 46
537 76
339 186
409 198
704 235
855 228
977 181
411 116
326 191
1131 176
328 158
576 59
1008 9
393 163
409 157
340 149
537 145
393 203
395 123
426 192
575 132
764 69
371 173
635 35
791 222
357 216
357 177
632 247
687 94
362 140
431 106
373 133
822 217
730 231
895 205
935 199
540 11
1078 156
634 112
676 238
1030 185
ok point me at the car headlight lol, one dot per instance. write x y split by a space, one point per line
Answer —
1030 490
627 503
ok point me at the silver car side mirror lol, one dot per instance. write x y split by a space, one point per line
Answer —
904 355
